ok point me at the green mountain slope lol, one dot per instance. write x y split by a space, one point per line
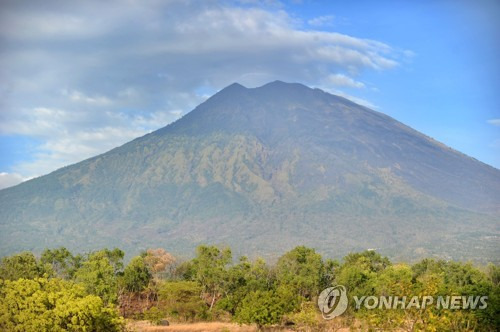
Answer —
263 170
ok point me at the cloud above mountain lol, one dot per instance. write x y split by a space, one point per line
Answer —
82 77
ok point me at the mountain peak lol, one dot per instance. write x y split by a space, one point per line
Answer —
228 92
283 85
275 86
275 89
234 86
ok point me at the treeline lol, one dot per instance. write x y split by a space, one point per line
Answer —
60 291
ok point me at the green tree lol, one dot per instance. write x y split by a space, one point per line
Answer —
184 271
359 272
210 266
493 273
370 259
53 305
136 275
115 258
22 265
243 278
455 278
98 275
62 262
394 280
302 270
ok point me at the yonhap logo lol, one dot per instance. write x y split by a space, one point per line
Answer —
332 302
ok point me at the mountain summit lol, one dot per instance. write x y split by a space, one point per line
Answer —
263 170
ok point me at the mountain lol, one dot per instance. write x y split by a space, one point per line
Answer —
263 170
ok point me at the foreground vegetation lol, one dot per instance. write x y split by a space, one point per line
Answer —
60 291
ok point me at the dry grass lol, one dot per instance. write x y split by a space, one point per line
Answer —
144 326
336 325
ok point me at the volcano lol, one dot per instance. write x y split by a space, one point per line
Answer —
263 170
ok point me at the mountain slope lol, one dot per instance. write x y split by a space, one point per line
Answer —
263 170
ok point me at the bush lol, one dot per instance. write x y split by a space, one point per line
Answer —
154 315
267 307
308 316
53 305
181 300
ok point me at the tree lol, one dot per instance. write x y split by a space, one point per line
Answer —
330 268
157 261
210 269
98 275
359 272
136 275
394 280
493 273
115 258
22 265
466 280
301 269
243 278
53 305
184 271
370 259
62 262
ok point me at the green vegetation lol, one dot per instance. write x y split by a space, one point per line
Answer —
136 276
98 274
181 300
23 265
42 304
60 291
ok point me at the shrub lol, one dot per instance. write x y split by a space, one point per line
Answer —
53 305
181 299
267 307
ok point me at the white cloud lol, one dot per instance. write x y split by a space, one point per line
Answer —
357 100
10 179
495 122
71 136
177 113
343 80
320 21
84 77
68 148
80 97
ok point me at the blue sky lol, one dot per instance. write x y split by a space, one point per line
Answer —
79 78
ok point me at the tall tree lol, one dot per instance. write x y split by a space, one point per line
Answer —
98 275
210 266
303 270
136 275
62 261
